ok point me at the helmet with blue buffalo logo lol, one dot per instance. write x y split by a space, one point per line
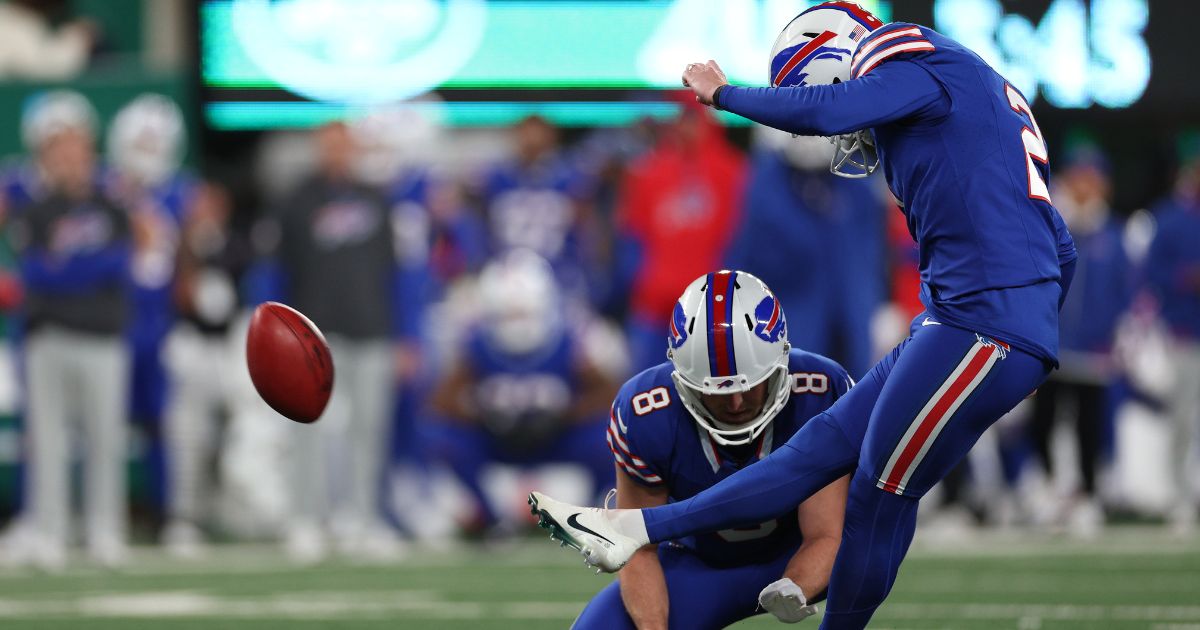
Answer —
727 335
816 48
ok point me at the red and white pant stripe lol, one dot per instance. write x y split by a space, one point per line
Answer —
937 412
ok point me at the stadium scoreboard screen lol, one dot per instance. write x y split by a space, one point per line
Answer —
296 63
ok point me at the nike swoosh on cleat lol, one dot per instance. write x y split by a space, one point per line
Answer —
573 521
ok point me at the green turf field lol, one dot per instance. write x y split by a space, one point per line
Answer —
1131 579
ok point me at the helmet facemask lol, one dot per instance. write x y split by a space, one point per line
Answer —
856 152
778 391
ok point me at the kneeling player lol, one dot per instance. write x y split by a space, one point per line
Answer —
733 390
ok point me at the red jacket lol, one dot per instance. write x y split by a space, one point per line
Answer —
681 202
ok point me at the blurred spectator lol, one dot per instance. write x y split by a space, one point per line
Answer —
146 142
539 201
1173 275
523 389
74 249
335 249
30 48
679 206
603 155
817 240
1088 320
201 360
440 241
438 238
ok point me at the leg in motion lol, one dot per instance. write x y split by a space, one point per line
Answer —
946 389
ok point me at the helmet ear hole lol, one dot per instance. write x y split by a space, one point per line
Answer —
836 80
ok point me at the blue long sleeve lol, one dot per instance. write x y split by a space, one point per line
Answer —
893 91
78 273
265 281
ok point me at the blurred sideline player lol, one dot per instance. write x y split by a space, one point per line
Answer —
674 432
145 148
334 259
1173 278
74 247
538 200
202 360
963 154
524 388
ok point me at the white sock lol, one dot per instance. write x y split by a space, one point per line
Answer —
631 524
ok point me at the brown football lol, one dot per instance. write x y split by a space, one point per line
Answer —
289 362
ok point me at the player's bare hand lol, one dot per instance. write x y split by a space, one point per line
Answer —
704 79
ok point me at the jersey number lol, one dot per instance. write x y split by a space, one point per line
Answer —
809 383
742 534
646 402
1035 145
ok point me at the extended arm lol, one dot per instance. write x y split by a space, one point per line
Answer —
892 91
643 585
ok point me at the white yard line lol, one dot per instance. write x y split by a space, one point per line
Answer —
305 605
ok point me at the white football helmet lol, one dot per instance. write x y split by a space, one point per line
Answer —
521 302
147 139
727 334
48 113
816 48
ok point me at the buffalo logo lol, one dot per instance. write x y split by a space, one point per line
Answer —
678 329
725 383
770 325
789 66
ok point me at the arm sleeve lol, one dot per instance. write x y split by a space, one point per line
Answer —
627 449
80 273
1067 255
895 90
1160 264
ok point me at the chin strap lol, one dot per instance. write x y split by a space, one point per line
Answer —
846 147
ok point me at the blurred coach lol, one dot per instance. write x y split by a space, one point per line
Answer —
74 247
336 252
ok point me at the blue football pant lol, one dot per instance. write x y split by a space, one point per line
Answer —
900 430
701 596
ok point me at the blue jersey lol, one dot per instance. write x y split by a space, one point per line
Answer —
657 443
536 206
515 388
965 158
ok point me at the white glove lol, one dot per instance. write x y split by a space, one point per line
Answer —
784 599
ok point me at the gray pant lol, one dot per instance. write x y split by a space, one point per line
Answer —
353 432
1184 405
74 377
200 367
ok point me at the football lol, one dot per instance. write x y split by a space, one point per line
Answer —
289 362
